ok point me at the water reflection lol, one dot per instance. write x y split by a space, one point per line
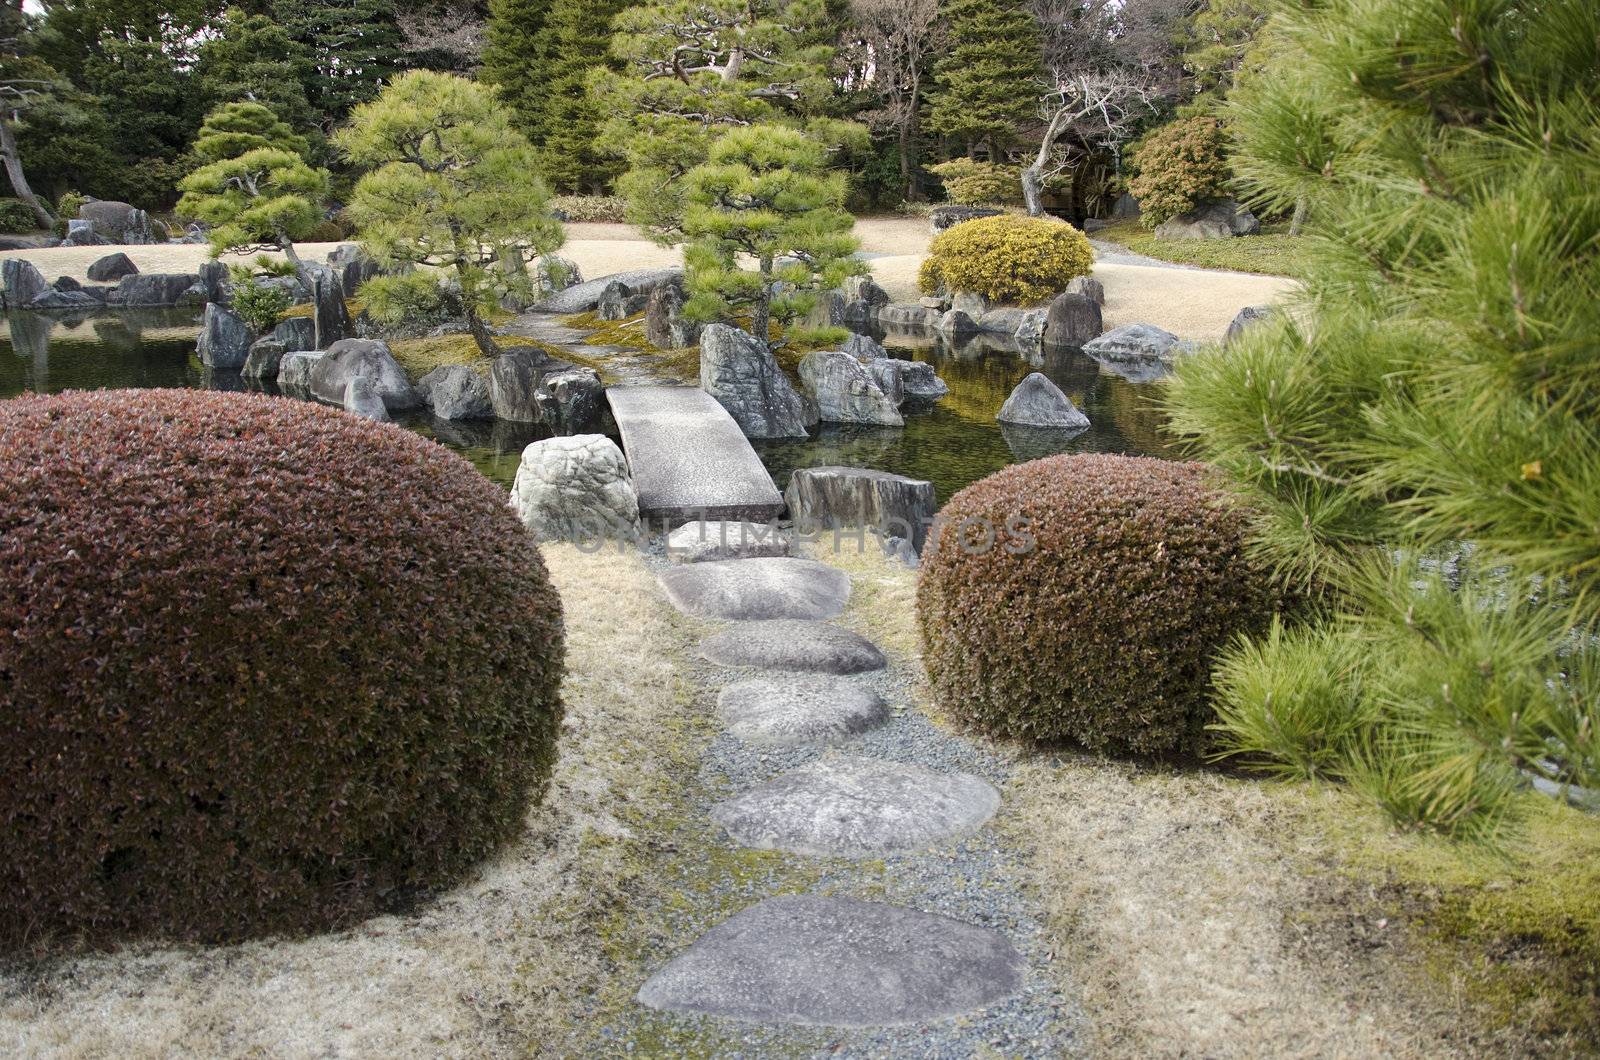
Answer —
953 444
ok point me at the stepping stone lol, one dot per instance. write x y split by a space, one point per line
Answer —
837 962
709 540
813 647
800 709
844 806
757 589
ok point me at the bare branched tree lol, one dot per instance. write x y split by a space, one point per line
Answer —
1082 112
453 32
900 37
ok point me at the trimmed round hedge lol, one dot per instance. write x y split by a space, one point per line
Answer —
1007 259
1082 599
267 666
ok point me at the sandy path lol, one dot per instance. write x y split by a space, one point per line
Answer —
1191 303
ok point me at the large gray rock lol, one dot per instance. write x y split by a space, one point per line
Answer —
112 267
362 398
863 348
353 266
845 806
329 314
744 378
456 392
218 285
1072 320
294 371
224 338
619 301
1244 319
514 380
837 962
942 217
798 646
264 359
755 589
844 392
23 282
115 220
296 333
349 359
837 497
583 297
906 315
915 382
158 289
710 540
830 311
865 289
957 322
69 299
1126 208
1220 219
81 233
690 460
1030 328
1089 287
571 401
664 326
1136 343
576 488
1037 402
971 303
795 709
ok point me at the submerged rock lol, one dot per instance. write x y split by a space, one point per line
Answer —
370 359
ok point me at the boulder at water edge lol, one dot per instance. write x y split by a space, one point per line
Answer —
456 392
349 359
362 398
1089 287
23 282
664 325
1072 320
745 379
224 338
263 360
1136 342
1037 402
571 401
576 488
913 383
294 371
844 392
328 311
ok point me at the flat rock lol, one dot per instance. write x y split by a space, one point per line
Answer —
813 961
582 297
755 589
811 647
845 806
1137 343
689 458
709 540
800 709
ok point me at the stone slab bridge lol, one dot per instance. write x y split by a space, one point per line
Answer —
688 458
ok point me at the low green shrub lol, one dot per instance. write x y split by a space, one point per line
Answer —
260 306
1083 599
16 217
971 183
268 667
1008 259
1178 166
590 208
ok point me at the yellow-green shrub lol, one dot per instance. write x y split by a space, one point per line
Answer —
1178 167
972 183
1006 259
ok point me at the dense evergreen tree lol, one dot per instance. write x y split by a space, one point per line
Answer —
986 83
515 62
353 48
574 41
1419 441
254 58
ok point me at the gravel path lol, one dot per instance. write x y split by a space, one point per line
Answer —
976 879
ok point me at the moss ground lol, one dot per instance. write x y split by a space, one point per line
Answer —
1274 252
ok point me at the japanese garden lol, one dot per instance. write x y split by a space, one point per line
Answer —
766 528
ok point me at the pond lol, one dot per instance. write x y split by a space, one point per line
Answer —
955 443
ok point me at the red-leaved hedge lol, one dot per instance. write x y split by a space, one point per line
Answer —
1082 598
265 666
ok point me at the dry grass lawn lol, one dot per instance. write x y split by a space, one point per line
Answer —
505 965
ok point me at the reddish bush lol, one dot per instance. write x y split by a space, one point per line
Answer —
266 666
1094 613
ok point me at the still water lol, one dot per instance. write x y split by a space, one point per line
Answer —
955 443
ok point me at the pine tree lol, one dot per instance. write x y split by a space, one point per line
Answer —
515 61
986 84
1420 438
575 38
254 188
451 185
764 195
253 58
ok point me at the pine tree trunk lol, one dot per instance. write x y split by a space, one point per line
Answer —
480 332
19 180
1299 217
301 273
